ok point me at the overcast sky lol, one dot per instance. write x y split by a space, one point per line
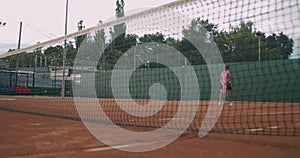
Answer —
45 19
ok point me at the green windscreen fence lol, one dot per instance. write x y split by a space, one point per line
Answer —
267 81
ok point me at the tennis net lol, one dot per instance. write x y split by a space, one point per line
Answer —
141 69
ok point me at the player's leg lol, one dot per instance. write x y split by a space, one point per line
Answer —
228 90
229 97
220 96
222 91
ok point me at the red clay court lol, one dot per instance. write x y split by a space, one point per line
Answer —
50 127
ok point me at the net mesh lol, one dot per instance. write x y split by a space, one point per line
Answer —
172 57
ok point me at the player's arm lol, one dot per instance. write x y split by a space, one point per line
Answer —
221 80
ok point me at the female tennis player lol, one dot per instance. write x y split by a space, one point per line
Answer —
225 79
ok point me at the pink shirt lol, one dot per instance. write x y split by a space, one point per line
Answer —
225 76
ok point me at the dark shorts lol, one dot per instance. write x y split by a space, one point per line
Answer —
228 86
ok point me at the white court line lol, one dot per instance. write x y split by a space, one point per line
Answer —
256 114
164 119
250 130
217 116
264 113
176 118
119 146
7 99
35 124
259 129
109 148
136 120
275 113
274 127
255 129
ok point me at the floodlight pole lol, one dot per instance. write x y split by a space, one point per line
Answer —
259 51
259 34
134 52
34 70
19 46
64 53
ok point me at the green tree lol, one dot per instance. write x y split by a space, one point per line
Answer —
157 37
71 54
173 42
202 27
285 45
26 59
99 37
224 43
205 32
278 46
54 55
117 45
243 43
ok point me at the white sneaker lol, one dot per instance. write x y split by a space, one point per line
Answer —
230 104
